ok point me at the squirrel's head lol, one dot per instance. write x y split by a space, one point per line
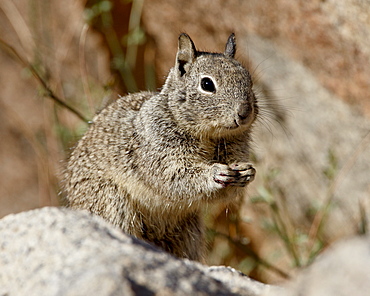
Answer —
210 93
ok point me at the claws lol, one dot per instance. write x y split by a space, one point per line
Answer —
236 174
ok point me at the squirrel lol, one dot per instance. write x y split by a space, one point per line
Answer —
150 161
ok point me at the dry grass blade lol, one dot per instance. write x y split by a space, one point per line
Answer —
19 25
83 70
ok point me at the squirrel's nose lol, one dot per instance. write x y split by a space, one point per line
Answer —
244 111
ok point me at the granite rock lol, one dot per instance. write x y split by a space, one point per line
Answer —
56 251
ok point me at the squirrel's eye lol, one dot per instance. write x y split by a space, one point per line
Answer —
207 84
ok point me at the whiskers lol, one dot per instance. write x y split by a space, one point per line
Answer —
272 111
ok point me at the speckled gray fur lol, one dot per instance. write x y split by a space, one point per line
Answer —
150 161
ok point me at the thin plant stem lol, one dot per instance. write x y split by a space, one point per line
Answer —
48 91
82 60
254 255
19 25
134 23
283 233
118 54
322 214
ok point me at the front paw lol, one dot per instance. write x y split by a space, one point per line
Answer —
246 172
236 174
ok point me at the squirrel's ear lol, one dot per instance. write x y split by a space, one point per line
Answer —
186 53
230 47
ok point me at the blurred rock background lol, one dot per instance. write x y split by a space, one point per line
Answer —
310 61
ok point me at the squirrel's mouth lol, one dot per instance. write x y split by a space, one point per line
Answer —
226 128
234 126
242 122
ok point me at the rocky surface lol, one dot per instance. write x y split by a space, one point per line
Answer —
342 270
54 251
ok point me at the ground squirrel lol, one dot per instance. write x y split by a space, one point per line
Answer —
150 161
